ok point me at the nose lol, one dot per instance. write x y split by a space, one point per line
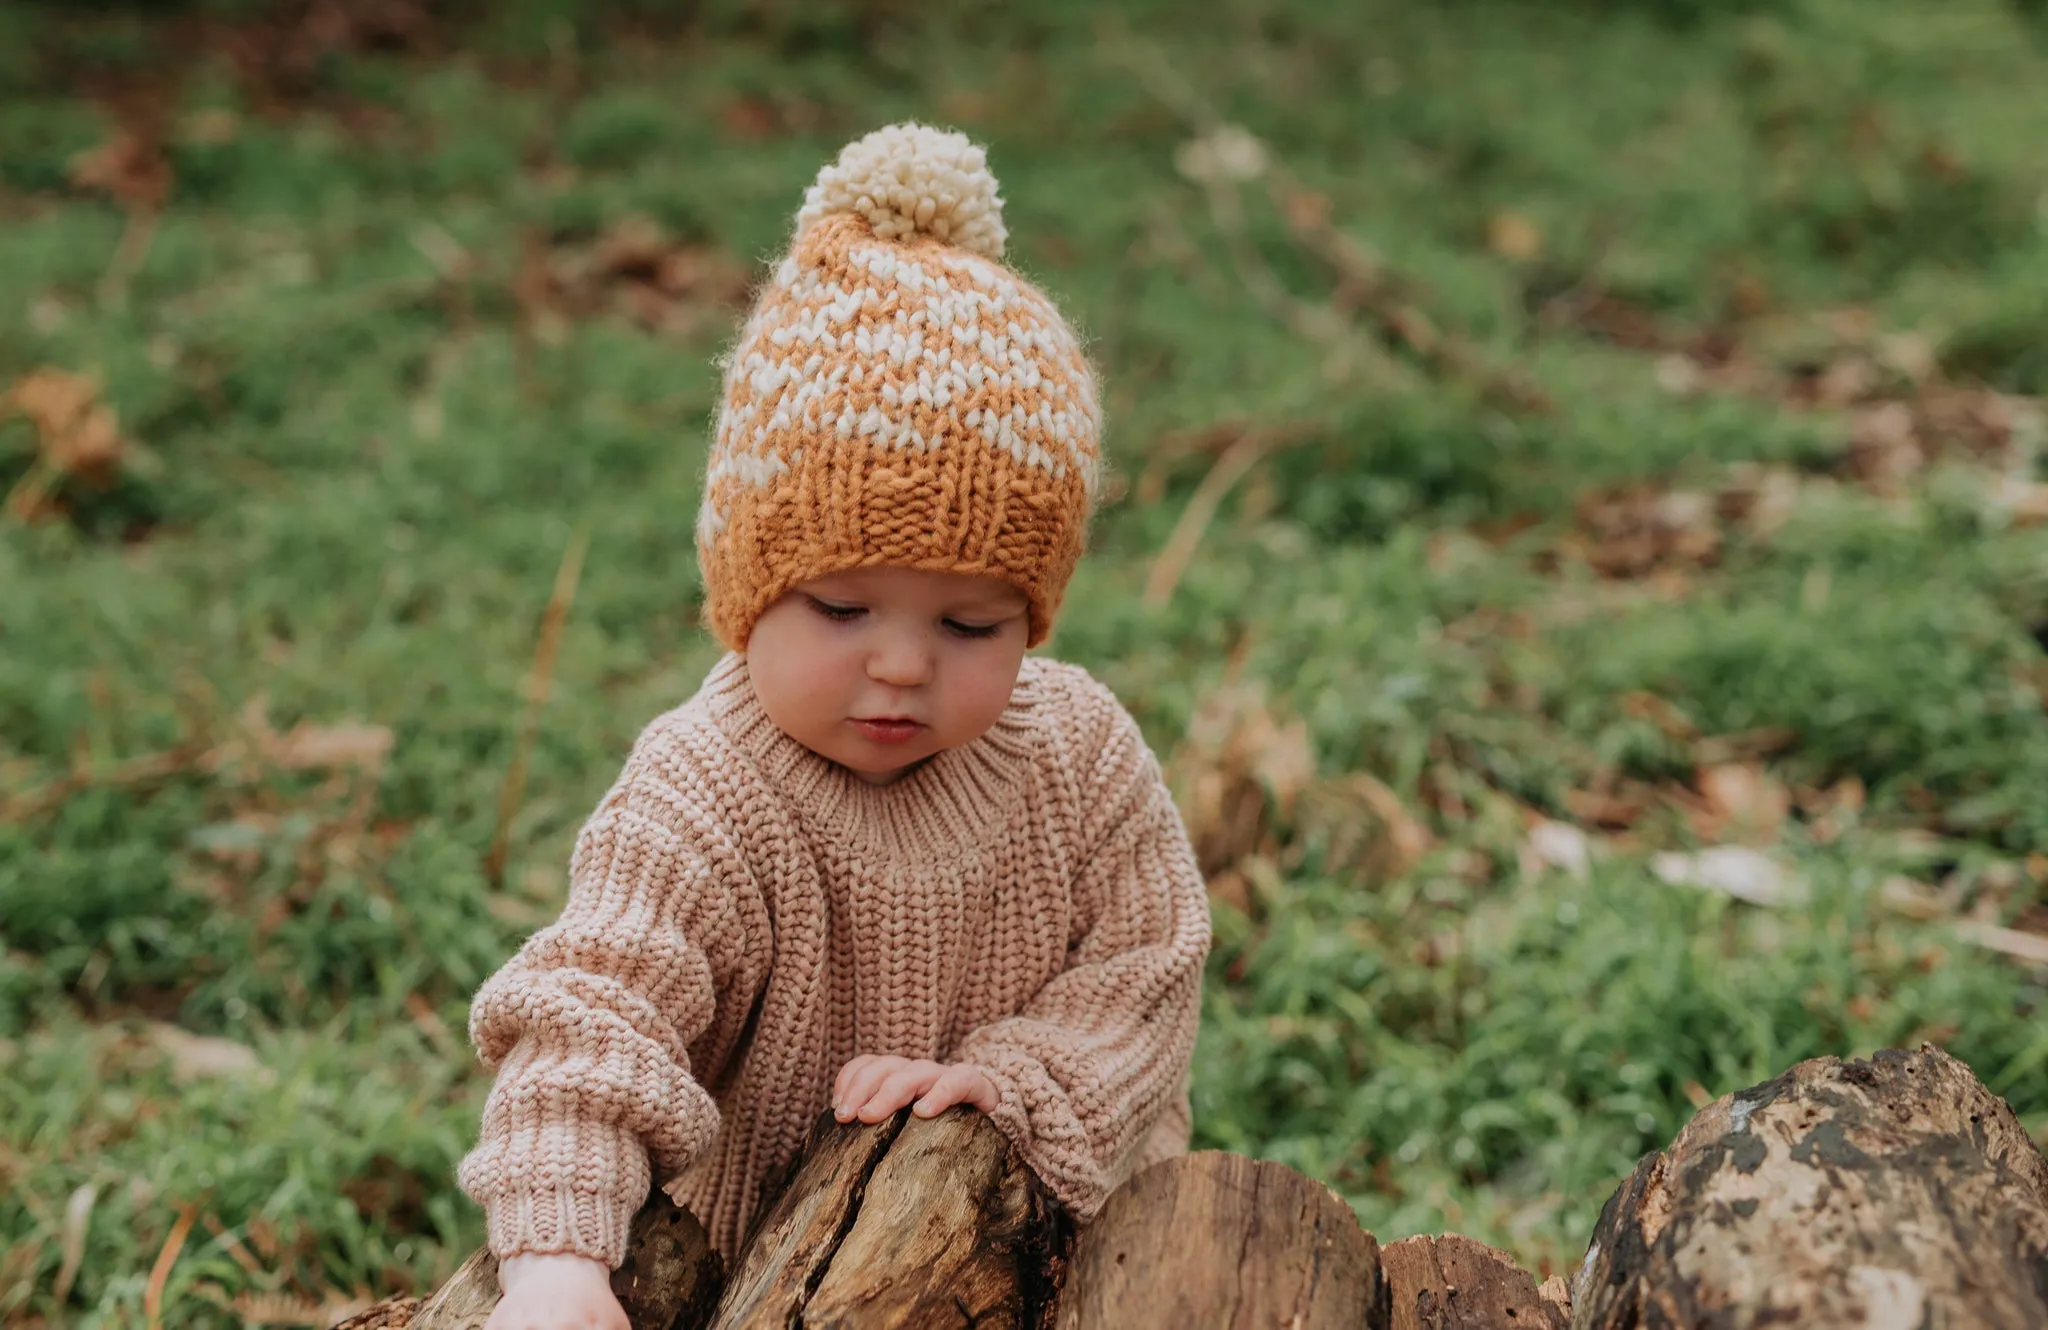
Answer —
901 659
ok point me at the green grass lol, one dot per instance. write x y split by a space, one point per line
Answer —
356 465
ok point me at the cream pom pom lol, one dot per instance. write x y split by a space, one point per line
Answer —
908 178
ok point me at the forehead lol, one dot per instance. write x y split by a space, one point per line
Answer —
920 586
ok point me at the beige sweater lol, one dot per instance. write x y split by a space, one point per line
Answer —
744 917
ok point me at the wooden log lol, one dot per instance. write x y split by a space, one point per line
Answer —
907 1224
1213 1239
1897 1192
788 1251
668 1281
954 1230
1454 1283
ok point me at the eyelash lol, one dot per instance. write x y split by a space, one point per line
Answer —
850 613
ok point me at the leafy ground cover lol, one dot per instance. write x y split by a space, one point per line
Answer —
1580 541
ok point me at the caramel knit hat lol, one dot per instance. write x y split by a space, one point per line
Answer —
899 396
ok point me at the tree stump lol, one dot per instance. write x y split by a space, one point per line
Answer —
1214 1239
1454 1283
668 1281
908 1224
1897 1192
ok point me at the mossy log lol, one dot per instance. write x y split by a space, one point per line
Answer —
1897 1192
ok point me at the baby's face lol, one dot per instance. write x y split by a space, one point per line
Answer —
877 669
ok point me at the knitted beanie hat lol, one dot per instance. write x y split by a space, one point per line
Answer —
898 396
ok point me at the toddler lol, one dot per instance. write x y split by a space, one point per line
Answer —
880 858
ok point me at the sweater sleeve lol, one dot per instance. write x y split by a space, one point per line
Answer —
1101 1052
590 1023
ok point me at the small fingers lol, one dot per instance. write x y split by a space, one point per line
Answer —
860 1082
846 1075
902 1085
955 1085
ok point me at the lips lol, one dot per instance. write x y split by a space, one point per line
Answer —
888 729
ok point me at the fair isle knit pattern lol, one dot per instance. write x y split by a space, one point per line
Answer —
898 396
745 917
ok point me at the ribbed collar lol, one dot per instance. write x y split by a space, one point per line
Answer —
959 797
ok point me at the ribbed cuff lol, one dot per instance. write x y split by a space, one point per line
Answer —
1055 1146
565 1188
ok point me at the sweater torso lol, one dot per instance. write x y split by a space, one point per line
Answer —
745 917
903 916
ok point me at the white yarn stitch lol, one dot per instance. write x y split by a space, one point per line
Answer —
908 178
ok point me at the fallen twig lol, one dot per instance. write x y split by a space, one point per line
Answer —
1237 460
160 1273
539 679
2028 947
136 772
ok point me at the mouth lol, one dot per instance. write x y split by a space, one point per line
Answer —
888 729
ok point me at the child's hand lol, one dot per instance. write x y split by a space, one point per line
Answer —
872 1088
556 1291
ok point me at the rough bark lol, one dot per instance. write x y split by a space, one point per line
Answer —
1454 1283
908 1224
668 1281
1213 1239
1897 1192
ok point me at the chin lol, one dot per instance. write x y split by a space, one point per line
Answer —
882 773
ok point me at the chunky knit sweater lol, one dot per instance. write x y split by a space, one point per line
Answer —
744 917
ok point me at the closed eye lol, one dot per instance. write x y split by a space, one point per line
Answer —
973 630
836 613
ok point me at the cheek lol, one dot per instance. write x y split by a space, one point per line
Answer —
986 684
796 665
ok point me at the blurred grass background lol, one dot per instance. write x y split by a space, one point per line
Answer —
1552 441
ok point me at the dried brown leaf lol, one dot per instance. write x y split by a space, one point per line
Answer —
1231 888
1746 797
1513 236
634 270
1638 531
1612 810
319 747
751 118
1239 769
1407 838
130 167
77 434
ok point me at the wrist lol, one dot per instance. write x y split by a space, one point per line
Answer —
515 1270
